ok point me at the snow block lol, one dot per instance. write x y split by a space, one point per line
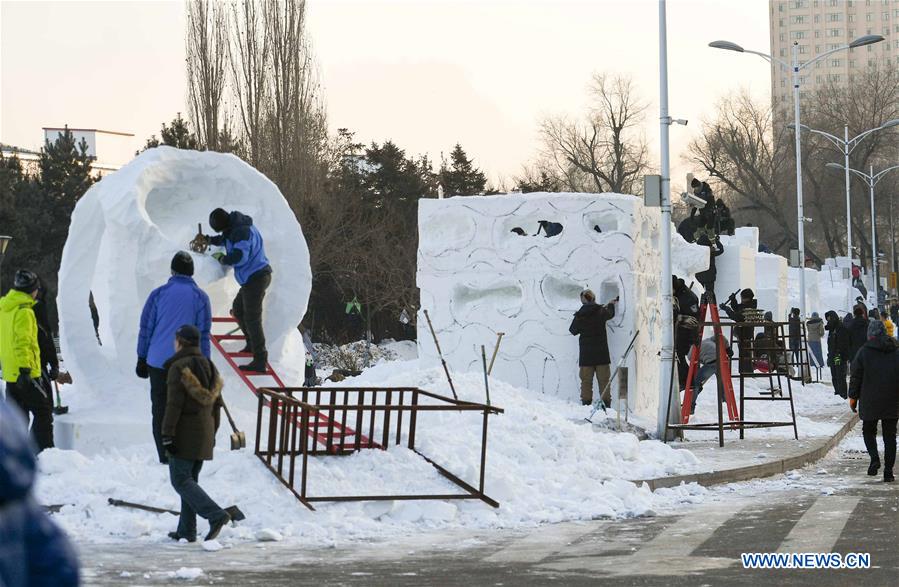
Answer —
478 277
771 284
123 234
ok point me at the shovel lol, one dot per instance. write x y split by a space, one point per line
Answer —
238 438
233 511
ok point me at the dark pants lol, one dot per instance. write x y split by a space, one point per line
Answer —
684 339
888 428
35 400
184 475
838 375
158 398
247 309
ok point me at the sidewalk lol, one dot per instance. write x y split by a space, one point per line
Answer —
751 458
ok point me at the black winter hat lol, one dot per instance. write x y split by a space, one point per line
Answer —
219 220
747 293
189 334
25 281
183 263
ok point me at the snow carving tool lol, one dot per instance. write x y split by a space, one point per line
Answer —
486 372
200 243
499 338
233 510
599 403
59 409
440 354
238 438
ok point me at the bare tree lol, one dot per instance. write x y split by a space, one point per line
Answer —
249 51
207 47
606 152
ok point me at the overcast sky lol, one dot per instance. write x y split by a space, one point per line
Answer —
426 74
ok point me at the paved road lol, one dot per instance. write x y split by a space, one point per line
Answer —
831 506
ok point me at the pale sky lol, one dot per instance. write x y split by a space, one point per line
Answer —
424 73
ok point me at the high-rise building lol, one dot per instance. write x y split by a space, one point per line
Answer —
821 25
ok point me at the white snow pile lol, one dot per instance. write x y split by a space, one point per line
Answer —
542 466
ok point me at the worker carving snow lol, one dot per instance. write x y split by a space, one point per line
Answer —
245 252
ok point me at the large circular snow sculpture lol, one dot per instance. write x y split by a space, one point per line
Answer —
127 227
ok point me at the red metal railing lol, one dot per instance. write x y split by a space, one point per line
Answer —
388 413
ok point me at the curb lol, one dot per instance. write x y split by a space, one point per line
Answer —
755 471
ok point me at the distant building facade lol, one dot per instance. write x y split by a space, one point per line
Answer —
821 25
109 149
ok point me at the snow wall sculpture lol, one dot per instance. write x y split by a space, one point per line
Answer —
478 278
122 237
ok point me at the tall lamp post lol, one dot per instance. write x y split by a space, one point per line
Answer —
796 67
4 244
871 180
846 146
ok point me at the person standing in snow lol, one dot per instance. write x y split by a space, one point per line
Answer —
192 416
590 324
858 331
33 550
180 301
708 365
815 331
873 391
20 356
838 343
794 330
245 251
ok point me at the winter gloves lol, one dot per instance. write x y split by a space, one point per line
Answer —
853 403
25 380
218 256
54 373
142 370
168 443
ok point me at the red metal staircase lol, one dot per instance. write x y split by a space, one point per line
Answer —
317 424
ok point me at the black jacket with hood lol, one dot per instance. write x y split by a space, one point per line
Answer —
874 379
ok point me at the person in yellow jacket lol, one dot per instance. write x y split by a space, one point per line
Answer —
20 356
887 324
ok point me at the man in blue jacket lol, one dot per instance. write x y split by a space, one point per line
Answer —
180 301
244 250
33 550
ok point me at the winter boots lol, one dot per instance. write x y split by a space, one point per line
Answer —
257 365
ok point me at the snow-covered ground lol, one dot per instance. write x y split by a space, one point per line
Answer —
542 466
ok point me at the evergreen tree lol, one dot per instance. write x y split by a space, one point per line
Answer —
176 135
461 177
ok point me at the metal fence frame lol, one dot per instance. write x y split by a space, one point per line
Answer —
293 431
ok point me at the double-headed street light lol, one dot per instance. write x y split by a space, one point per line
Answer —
871 180
847 145
795 68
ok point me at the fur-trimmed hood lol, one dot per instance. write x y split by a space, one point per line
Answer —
197 391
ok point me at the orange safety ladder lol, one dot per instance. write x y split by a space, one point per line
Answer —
321 422
723 367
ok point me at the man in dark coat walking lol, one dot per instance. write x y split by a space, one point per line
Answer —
874 390
590 323
858 331
838 342
192 414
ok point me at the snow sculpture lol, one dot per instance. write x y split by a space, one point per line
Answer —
482 270
123 234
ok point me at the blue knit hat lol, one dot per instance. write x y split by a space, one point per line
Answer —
876 328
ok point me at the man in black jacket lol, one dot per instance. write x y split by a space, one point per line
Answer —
858 331
838 342
686 319
873 390
707 277
745 334
590 323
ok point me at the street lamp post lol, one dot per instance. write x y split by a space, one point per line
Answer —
4 244
871 180
795 68
847 146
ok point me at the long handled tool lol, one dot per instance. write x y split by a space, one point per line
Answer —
599 403
233 511
499 338
59 409
440 354
486 372
238 438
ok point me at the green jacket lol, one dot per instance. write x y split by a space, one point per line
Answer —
18 336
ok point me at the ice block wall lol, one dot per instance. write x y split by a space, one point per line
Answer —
478 277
